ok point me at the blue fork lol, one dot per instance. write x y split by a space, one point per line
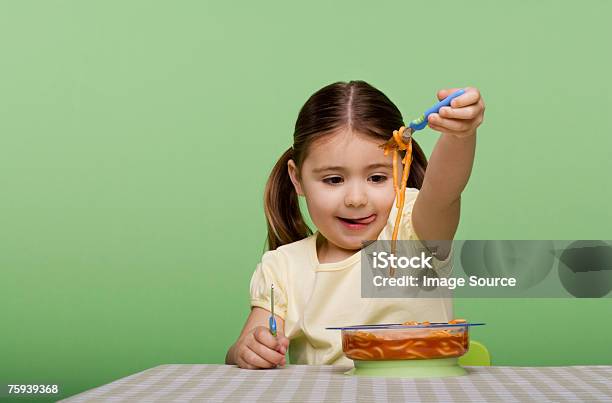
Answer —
272 321
420 122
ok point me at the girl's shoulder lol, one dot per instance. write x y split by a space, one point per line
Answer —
287 267
295 252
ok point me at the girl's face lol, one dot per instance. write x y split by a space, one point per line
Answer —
348 185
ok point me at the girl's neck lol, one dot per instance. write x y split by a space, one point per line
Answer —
327 252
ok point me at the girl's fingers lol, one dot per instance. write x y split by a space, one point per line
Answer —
271 356
284 344
240 361
471 96
245 365
446 92
247 359
449 124
467 112
263 336
253 358
463 116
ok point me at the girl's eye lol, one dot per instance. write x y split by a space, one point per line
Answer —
333 180
378 178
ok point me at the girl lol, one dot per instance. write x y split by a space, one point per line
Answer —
337 164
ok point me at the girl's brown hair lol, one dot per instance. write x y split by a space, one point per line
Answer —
356 106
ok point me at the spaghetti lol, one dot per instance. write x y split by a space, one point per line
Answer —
414 344
400 188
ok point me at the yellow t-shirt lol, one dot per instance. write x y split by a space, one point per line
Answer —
311 296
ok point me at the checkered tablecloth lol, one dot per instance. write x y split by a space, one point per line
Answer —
328 383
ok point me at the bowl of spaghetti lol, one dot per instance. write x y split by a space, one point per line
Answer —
407 341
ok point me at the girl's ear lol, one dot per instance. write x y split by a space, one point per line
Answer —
293 174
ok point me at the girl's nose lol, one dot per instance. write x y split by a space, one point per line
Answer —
356 196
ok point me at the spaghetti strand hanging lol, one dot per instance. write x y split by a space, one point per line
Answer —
399 188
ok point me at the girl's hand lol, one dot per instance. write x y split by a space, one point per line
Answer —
259 349
462 117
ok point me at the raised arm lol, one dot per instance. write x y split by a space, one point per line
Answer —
436 211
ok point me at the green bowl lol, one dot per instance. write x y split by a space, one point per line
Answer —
432 368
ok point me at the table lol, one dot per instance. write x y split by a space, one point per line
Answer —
180 382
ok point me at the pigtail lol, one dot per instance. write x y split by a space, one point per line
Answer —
418 166
282 208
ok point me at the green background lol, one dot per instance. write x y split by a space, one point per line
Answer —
136 138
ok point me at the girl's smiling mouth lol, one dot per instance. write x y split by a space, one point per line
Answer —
358 222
